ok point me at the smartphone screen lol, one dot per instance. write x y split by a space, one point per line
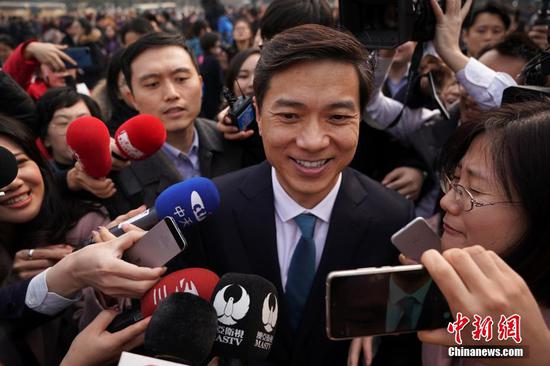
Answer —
160 244
387 301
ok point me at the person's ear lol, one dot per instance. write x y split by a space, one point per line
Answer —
129 96
258 115
46 142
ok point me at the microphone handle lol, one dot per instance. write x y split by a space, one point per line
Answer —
145 221
124 320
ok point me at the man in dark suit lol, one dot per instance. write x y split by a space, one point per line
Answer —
164 81
303 213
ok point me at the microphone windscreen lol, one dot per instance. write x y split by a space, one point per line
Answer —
182 329
188 202
197 281
140 137
89 138
8 167
247 310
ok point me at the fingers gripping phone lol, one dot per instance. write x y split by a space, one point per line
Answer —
415 238
379 301
160 244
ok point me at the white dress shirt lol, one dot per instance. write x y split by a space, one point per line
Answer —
484 84
288 233
41 300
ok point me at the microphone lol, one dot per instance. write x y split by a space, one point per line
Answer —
8 168
182 329
197 281
89 138
140 137
187 202
247 310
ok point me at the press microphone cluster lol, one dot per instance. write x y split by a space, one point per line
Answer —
239 323
8 168
187 202
137 139
197 281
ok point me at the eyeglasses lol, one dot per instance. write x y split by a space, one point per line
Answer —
464 196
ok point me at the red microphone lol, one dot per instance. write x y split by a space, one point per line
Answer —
140 137
197 281
89 138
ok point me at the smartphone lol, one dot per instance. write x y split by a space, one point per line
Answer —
415 238
160 244
386 300
81 55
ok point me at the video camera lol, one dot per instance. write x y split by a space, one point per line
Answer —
241 109
388 23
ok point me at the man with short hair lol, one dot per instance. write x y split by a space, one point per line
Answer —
303 213
164 81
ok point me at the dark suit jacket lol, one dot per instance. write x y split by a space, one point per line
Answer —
144 180
240 237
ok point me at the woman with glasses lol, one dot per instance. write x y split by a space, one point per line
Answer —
496 228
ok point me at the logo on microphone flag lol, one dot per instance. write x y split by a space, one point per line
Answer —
198 206
231 303
270 311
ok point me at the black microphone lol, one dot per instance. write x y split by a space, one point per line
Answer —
182 329
8 168
247 309
187 202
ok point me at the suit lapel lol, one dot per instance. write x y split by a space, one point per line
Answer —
256 223
347 226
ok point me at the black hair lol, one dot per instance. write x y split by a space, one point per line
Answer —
208 40
313 42
119 110
150 41
490 8
57 98
59 213
518 135
517 45
235 66
138 25
284 14
198 26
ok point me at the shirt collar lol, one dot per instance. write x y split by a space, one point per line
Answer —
287 208
174 152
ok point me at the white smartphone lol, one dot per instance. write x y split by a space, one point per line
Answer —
160 244
386 300
415 238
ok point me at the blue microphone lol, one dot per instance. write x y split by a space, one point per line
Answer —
187 202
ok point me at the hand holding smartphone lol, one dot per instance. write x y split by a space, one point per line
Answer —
160 244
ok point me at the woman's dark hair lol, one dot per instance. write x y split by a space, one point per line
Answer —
58 213
119 110
57 98
198 26
284 14
312 43
208 41
235 66
519 134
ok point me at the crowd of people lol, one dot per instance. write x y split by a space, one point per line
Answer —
355 142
